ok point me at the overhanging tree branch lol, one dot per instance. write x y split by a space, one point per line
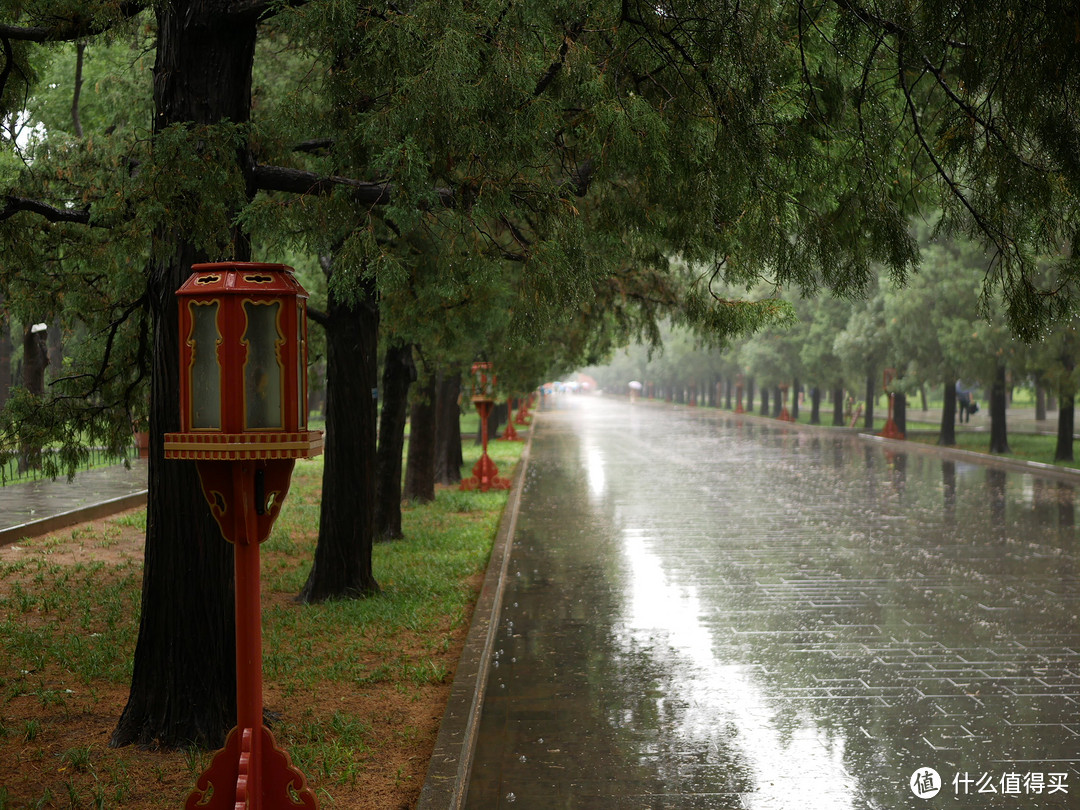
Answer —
13 205
298 181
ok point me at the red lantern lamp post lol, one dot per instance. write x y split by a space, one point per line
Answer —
785 414
891 430
485 473
243 420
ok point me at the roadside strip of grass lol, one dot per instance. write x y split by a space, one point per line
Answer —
359 686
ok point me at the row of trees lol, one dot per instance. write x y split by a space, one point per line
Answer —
936 332
464 177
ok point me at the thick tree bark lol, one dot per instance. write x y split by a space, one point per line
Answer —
1040 400
342 567
999 436
764 411
420 465
947 436
795 399
183 687
448 455
777 401
399 372
815 406
838 406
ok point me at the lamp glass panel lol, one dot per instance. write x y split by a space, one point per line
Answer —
204 381
263 376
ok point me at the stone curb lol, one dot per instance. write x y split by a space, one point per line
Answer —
36 528
447 780
986 459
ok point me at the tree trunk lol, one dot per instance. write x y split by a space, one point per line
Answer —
947 436
815 406
183 686
728 386
420 466
399 372
838 406
795 399
7 352
448 455
1040 400
999 437
777 401
1064 449
1066 413
342 566
900 412
868 420
35 359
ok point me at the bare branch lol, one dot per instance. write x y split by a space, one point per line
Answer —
75 120
69 30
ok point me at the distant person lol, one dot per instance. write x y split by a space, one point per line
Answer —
965 403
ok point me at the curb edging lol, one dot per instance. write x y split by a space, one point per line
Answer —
36 528
446 783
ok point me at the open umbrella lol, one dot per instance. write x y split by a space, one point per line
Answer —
635 385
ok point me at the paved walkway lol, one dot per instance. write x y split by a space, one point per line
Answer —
31 507
703 611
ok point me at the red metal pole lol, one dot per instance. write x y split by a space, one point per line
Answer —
249 705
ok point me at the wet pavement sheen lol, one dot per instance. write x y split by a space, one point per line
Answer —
710 612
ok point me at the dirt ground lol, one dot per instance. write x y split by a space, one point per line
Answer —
54 732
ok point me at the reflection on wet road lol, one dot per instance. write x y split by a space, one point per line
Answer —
712 612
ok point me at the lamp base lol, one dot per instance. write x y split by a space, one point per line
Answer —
226 784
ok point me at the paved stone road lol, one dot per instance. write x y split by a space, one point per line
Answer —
29 501
708 612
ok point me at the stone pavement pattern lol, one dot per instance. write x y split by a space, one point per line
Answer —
712 612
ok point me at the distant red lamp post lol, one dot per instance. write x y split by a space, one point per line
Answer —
522 417
510 434
785 414
485 474
891 429
243 420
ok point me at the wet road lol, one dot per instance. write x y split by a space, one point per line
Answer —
707 612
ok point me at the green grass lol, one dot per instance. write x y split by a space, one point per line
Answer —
68 631
1024 446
